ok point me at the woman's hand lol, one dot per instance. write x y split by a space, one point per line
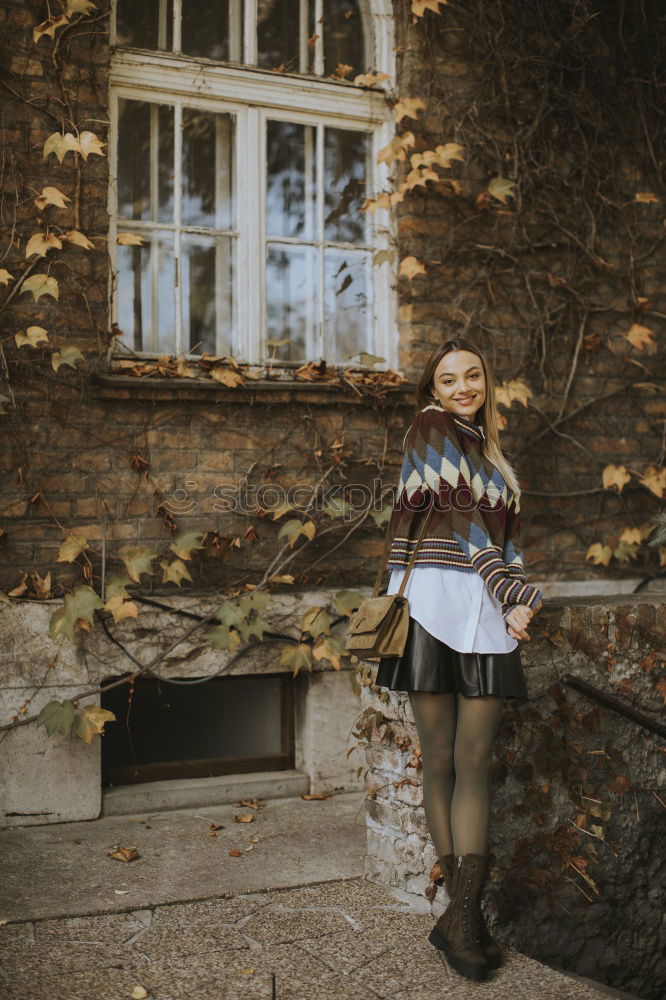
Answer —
518 619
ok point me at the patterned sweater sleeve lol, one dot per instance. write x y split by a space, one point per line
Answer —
435 453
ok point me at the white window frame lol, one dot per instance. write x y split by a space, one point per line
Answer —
251 95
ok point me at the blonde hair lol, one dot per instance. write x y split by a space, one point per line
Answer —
486 415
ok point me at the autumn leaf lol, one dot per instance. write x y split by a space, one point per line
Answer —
68 356
646 198
5 276
383 257
223 637
615 475
185 542
91 720
71 548
129 240
370 79
620 785
330 648
296 657
599 554
125 854
80 7
347 601
121 609
61 145
49 27
501 188
138 559
51 196
408 107
396 148
315 796
33 336
410 267
235 853
245 818
639 336
341 71
655 480
40 244
316 621
78 239
227 376
90 143
57 717
513 389
175 572
419 7
448 152
40 284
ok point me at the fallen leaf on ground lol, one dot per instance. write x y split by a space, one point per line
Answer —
316 795
245 818
124 854
234 852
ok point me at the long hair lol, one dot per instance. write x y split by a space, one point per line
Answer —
486 415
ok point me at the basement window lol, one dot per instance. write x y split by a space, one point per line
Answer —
228 725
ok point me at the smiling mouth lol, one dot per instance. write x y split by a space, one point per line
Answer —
466 399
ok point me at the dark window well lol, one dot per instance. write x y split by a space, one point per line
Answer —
228 725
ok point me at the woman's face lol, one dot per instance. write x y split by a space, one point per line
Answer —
459 383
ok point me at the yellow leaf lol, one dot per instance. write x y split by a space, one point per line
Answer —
383 257
61 145
342 70
51 196
72 547
138 559
514 389
227 376
92 720
396 148
419 7
41 244
175 571
129 240
501 188
615 475
49 27
599 554
33 336
139 993
79 239
370 79
90 143
448 152
121 609
80 7
5 276
655 480
408 108
410 267
646 197
68 356
639 336
40 284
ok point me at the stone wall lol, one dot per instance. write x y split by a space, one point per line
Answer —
577 828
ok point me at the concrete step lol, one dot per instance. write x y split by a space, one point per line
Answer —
188 793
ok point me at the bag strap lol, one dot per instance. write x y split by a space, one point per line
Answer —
387 546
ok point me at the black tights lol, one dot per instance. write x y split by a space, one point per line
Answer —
456 736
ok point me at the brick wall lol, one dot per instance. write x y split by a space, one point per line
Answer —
67 448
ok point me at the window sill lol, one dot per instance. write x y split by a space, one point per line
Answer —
111 386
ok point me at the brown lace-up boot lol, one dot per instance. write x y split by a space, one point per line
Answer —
456 931
488 944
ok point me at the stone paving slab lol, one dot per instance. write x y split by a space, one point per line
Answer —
63 869
343 940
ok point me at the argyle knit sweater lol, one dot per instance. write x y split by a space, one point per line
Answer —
475 526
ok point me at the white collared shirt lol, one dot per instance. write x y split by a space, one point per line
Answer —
456 607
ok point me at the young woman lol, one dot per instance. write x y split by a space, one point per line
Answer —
469 605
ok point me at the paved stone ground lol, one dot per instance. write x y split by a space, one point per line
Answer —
344 940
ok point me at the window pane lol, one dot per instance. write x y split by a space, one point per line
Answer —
145 137
137 23
345 159
278 34
290 186
205 28
146 281
207 294
291 296
344 36
207 169
347 302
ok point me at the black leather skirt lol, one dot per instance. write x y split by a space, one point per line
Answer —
428 664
